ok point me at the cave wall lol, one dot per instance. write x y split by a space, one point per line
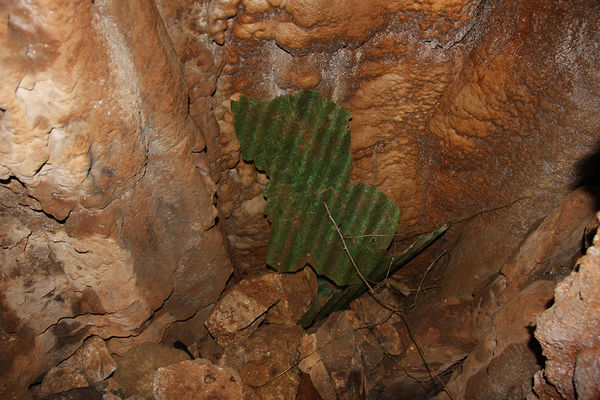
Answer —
118 142
107 214
457 106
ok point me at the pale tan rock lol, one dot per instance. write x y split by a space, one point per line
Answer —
312 21
220 10
93 359
100 145
568 331
197 380
238 313
62 379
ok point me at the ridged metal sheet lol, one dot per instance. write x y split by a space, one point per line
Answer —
302 142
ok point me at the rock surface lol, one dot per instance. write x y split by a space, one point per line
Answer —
136 369
93 359
110 221
77 394
341 361
62 379
261 359
447 99
568 332
197 380
239 312
116 132
506 305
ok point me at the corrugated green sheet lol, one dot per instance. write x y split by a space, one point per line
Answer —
303 144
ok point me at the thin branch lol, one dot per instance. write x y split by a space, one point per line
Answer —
449 222
393 309
346 249
321 347
425 274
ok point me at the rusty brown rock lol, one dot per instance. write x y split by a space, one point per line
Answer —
280 298
197 380
503 361
62 379
239 312
262 357
506 304
446 99
136 369
93 359
342 361
568 331
296 293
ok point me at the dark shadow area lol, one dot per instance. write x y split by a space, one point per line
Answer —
587 172
536 348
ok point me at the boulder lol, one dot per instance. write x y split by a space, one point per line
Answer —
197 380
135 370
93 359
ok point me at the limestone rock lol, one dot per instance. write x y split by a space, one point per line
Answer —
76 394
306 389
135 370
110 223
342 362
93 359
296 293
62 379
568 331
508 304
238 313
307 23
262 357
197 380
435 103
110 396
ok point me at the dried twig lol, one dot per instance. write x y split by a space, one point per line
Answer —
391 308
425 274
337 228
341 335
449 222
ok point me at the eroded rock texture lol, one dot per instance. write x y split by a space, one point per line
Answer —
117 142
568 333
457 105
107 221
